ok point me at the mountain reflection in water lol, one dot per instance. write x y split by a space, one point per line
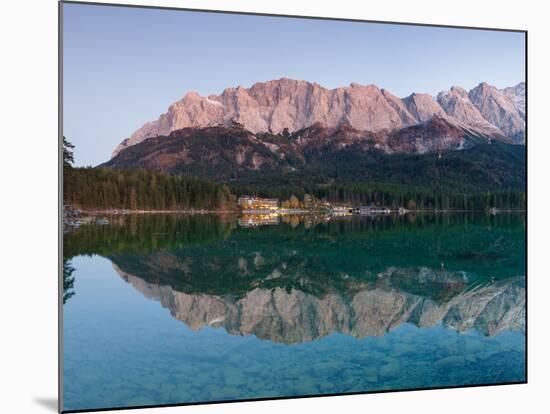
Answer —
302 278
295 316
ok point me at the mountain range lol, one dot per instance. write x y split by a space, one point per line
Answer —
285 106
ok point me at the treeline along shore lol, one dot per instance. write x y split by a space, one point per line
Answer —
144 190
104 189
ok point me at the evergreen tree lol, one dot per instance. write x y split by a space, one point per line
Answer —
68 158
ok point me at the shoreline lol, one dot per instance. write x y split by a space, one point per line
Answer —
117 212
121 212
74 218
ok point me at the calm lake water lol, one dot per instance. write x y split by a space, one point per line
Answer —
171 309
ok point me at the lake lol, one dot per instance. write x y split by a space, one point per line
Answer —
167 309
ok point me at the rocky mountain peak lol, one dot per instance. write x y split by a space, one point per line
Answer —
456 104
517 95
422 106
458 91
499 110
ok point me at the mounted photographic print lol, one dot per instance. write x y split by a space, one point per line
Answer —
260 207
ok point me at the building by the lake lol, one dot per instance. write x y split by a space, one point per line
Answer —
254 220
258 203
370 209
341 210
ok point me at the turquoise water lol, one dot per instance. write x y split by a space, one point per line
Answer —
168 309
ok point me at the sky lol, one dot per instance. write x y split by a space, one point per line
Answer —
123 67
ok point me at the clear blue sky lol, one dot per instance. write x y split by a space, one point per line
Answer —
125 66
